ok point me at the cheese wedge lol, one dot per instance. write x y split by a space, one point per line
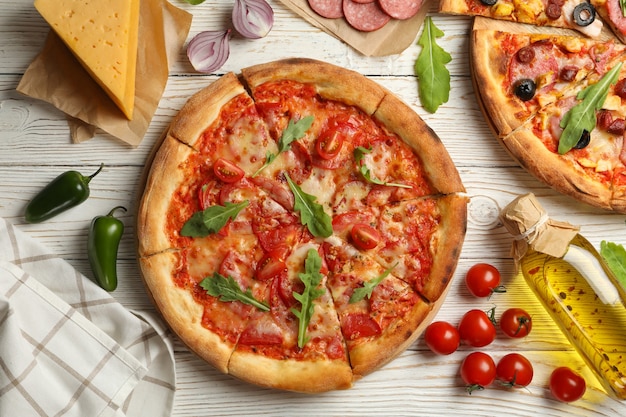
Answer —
103 36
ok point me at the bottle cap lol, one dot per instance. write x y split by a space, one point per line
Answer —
531 228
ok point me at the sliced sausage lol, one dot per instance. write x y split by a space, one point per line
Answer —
401 9
330 9
365 17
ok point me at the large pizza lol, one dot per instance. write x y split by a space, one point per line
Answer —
299 225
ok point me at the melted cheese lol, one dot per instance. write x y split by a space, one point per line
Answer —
103 37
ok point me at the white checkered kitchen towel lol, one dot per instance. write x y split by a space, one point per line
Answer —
67 348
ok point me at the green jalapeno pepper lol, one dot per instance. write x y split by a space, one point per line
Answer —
104 238
64 192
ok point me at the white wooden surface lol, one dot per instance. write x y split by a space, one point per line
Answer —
35 147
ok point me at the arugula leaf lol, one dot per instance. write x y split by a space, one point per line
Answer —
195 2
293 131
430 68
227 289
359 154
367 288
582 117
615 257
212 219
312 214
311 278
622 5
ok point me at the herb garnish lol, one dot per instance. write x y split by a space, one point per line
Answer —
622 5
227 289
359 153
615 257
311 279
312 214
212 219
367 288
430 68
293 131
582 116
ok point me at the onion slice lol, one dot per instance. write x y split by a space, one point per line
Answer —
253 18
209 50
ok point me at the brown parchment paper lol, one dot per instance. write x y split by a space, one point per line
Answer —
393 38
57 77
532 228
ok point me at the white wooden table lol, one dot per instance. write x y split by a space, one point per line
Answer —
35 147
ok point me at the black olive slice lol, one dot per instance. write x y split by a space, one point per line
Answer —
525 89
584 140
488 2
584 14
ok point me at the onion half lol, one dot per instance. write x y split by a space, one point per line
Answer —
253 18
209 50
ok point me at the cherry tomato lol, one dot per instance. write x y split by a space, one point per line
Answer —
269 266
359 325
514 370
328 144
476 328
482 280
364 236
227 171
516 322
442 338
567 385
478 370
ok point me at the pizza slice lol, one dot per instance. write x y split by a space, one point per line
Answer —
419 238
298 344
578 15
380 315
349 135
182 284
585 163
612 13
515 74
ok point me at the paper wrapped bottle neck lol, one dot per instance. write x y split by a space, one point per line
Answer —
532 228
530 234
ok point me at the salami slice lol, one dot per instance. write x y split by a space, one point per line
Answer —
365 17
330 9
401 9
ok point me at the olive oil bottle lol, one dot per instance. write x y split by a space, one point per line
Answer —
575 287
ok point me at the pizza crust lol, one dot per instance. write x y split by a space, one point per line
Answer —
201 110
331 82
447 245
181 312
403 121
166 174
290 374
558 172
489 67
367 357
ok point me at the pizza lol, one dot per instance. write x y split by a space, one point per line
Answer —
577 15
299 225
612 14
532 90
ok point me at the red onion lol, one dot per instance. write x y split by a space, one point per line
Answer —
209 50
253 18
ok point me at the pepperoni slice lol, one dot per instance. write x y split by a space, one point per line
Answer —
366 17
542 62
401 9
330 9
